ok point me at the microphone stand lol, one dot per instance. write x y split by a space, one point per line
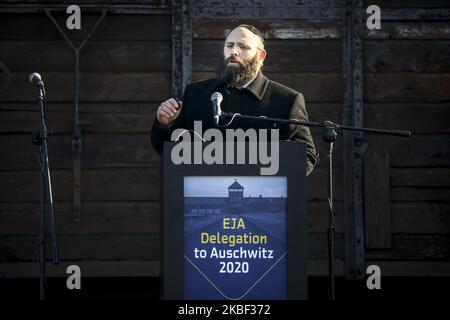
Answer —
40 140
329 135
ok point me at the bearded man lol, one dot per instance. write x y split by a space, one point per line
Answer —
245 90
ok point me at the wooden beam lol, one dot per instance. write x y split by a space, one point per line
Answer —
271 28
181 46
95 87
24 27
353 146
99 185
413 30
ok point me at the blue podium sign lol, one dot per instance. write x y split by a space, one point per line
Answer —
230 233
235 238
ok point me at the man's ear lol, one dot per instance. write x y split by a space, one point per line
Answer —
262 55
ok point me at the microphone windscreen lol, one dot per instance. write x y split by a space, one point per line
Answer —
34 75
217 96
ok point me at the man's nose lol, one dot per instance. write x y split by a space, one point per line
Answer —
235 51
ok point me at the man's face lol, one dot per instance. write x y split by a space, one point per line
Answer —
242 45
243 55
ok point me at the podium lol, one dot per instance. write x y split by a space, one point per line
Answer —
230 233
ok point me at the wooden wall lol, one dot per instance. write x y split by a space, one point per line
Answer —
406 79
407 86
126 72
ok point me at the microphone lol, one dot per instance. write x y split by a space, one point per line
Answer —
37 80
216 99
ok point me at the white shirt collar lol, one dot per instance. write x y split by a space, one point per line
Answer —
248 83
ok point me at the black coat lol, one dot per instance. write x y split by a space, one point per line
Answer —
262 97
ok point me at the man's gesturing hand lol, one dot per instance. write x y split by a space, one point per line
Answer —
168 111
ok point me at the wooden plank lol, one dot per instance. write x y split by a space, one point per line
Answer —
420 217
104 56
111 87
122 247
420 177
319 112
100 151
86 107
414 247
97 269
266 12
271 29
24 27
282 56
316 87
98 185
61 122
413 30
377 210
419 150
409 116
85 247
28 121
406 56
410 194
404 87
114 217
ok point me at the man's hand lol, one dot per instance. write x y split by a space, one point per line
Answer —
168 111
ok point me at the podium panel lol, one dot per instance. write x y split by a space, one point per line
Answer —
230 233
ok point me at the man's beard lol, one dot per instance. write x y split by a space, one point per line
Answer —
240 74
